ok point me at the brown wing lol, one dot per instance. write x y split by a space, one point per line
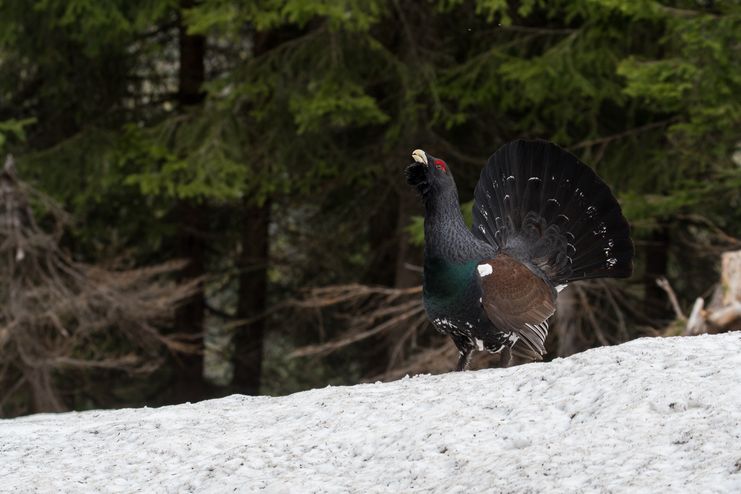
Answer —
516 299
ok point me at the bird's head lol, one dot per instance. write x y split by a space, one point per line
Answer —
429 175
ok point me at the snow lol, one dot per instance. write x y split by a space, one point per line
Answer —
652 415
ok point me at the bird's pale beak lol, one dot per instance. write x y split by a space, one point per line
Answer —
419 156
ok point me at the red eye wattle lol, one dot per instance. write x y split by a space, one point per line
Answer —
440 165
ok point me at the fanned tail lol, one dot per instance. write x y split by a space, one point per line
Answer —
542 205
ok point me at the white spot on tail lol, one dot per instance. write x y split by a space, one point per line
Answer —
484 269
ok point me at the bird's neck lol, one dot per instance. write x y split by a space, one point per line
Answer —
445 231
451 254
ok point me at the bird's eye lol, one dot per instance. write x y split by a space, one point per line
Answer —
440 165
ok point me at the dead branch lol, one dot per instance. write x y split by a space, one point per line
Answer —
723 317
664 285
696 324
596 313
621 135
724 311
375 310
58 315
333 295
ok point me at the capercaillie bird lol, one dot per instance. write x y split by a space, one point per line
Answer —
541 219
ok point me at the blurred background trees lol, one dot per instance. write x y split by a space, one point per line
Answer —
263 144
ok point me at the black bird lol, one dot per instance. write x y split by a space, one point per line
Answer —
541 219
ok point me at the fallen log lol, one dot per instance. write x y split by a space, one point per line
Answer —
723 313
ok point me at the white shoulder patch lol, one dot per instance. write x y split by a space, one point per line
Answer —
560 287
484 269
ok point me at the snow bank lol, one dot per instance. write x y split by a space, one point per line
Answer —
657 415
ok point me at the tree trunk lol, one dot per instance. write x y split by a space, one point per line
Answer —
409 258
192 224
45 396
253 266
730 277
406 273
382 241
253 282
657 259
191 72
567 325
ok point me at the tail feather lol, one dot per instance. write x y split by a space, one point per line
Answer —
542 205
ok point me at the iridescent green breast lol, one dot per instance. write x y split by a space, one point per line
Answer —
446 283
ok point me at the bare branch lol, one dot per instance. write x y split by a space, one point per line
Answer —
57 314
620 135
696 322
664 285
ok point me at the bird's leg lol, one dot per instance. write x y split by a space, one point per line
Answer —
464 358
504 357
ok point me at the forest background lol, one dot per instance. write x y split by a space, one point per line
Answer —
208 196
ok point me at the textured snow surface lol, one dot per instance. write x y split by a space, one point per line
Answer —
652 415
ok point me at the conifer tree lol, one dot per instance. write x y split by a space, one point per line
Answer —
278 160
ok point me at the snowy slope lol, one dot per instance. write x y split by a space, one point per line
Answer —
653 415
